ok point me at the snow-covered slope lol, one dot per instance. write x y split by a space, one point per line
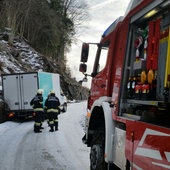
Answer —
19 58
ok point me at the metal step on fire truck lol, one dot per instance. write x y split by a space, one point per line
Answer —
128 119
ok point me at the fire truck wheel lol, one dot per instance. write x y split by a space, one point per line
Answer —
97 158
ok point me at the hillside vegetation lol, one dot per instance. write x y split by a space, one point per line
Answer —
47 28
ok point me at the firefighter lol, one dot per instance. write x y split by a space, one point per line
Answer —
52 104
45 109
37 104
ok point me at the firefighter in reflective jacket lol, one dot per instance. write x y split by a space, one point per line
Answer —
52 105
37 104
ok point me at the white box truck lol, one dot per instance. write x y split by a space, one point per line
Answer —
18 90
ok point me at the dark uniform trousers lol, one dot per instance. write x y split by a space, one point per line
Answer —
37 104
52 105
53 119
38 120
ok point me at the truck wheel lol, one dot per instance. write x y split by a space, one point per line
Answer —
64 107
97 161
97 158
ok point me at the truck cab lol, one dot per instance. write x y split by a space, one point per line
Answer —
129 101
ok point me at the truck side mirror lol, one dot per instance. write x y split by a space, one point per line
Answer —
84 52
83 68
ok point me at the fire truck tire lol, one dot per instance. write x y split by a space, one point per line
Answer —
97 158
97 161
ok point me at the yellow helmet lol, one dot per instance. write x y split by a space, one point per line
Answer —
40 91
52 91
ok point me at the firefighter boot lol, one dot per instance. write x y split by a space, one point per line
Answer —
37 129
52 128
56 126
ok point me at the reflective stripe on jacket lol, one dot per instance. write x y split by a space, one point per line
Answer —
37 124
38 109
52 110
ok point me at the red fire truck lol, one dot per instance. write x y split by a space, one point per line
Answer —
128 119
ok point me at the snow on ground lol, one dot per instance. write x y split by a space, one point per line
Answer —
4 127
21 148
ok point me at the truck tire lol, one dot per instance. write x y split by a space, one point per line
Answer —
97 158
97 161
64 107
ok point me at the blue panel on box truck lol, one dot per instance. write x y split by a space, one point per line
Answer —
47 82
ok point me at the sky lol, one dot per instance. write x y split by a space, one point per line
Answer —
101 15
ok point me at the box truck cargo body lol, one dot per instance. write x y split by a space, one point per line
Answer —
18 90
48 81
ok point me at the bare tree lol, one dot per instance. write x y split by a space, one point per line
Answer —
50 26
12 16
76 11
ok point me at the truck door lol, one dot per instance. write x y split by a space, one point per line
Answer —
11 90
100 75
29 86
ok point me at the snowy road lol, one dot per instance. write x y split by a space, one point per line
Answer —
22 149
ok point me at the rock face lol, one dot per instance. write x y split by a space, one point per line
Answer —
21 57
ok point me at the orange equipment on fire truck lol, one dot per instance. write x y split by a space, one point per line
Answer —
128 120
